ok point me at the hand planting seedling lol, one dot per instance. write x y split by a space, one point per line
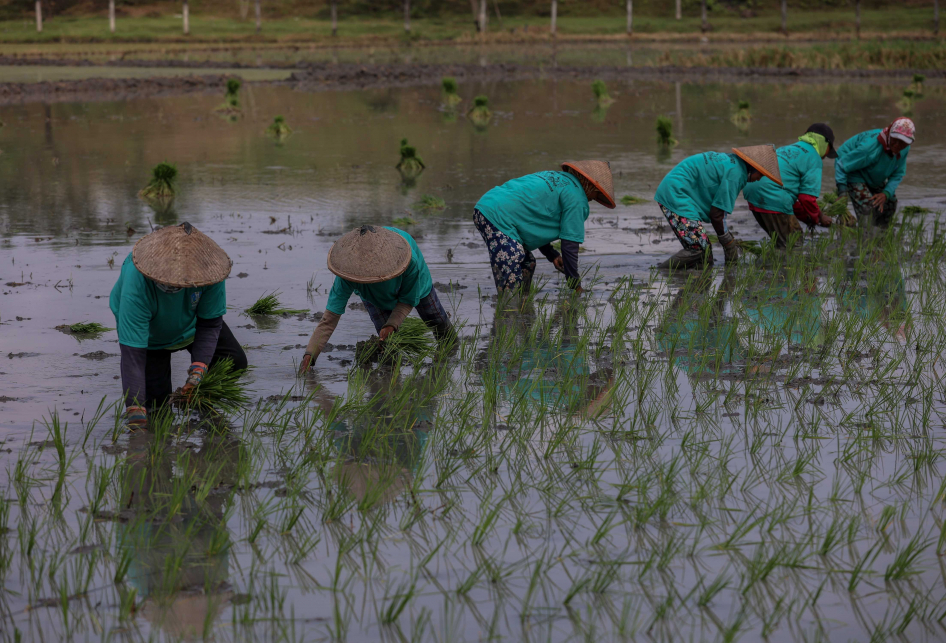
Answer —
836 208
161 186
410 342
270 305
220 390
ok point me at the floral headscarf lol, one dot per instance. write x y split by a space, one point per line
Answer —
902 129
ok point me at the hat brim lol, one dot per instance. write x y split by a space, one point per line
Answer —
602 197
361 279
832 153
756 166
901 137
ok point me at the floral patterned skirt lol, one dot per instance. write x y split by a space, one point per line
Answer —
867 214
690 233
513 265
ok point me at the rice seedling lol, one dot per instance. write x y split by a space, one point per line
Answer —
907 102
231 100
411 341
665 132
600 91
221 390
404 221
410 164
836 208
161 185
279 128
917 85
480 114
429 203
629 200
85 330
914 210
269 304
449 89
741 115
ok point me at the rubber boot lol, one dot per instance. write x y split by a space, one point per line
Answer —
687 259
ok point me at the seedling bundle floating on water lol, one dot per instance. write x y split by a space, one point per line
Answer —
665 132
410 164
84 330
450 97
479 114
627 199
279 128
269 305
161 185
411 341
429 202
600 91
741 116
231 101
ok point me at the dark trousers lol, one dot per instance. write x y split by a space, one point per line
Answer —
779 226
429 309
158 366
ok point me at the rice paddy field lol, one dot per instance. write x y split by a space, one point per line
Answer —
752 453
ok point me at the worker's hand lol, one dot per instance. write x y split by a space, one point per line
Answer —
879 200
385 332
306 363
559 264
824 220
136 417
194 375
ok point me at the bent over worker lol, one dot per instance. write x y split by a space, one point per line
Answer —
386 269
170 296
531 212
703 189
870 167
800 167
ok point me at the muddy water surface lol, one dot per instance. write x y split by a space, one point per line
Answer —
573 536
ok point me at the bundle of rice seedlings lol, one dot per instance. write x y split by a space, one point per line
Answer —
430 202
269 305
231 101
741 116
411 341
627 199
410 163
279 128
479 114
220 390
84 330
402 221
905 104
600 91
665 132
836 208
917 85
912 210
450 96
161 185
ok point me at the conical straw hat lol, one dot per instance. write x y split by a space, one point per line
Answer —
762 158
181 256
599 173
369 254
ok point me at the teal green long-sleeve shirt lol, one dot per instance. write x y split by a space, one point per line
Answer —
701 182
862 159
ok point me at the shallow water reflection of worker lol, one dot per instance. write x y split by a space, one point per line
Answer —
532 211
381 446
180 562
776 208
170 296
870 167
703 189
387 270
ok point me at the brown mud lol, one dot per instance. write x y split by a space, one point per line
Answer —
331 76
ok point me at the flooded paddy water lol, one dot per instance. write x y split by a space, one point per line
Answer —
757 453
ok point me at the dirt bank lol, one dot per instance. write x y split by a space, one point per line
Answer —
328 76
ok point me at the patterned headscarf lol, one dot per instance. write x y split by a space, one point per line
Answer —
902 129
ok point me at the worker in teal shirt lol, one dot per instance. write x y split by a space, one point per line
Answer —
531 212
800 166
170 296
870 167
703 189
386 269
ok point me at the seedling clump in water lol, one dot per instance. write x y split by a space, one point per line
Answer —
220 391
450 97
279 128
836 208
600 90
411 341
269 305
161 185
479 114
628 199
410 164
665 132
429 202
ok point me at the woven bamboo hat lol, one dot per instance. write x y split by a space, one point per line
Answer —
599 173
368 254
181 256
762 158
